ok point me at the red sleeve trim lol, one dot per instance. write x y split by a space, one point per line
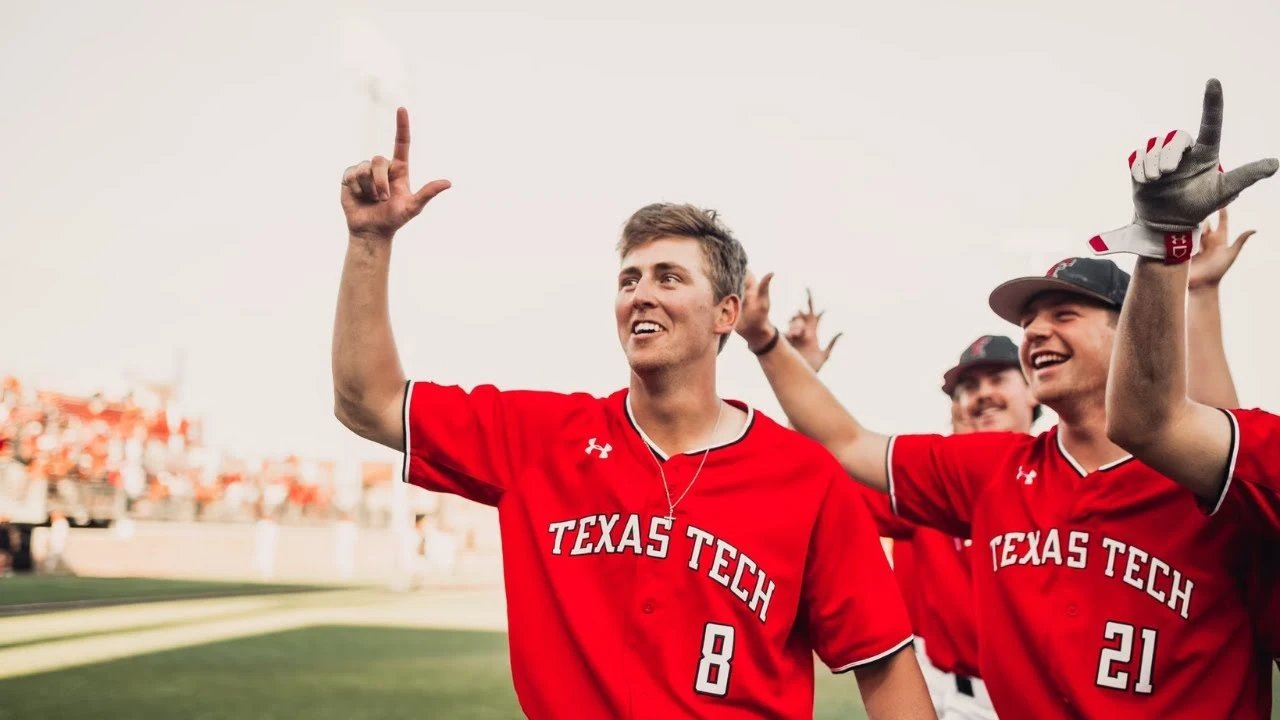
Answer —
875 658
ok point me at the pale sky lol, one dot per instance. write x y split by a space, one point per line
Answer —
172 174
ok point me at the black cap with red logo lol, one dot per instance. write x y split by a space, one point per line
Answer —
987 351
1101 280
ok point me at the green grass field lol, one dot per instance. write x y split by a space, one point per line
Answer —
322 671
26 589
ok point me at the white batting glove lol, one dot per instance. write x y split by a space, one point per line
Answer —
1177 183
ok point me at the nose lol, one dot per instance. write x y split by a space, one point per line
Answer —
1037 330
984 390
643 296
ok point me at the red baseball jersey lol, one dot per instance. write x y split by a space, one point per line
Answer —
617 610
904 571
943 566
1264 597
1253 478
937 586
1099 595
900 532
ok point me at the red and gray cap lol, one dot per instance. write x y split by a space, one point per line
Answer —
1101 280
987 351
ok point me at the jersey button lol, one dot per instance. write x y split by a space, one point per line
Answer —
648 607
1072 610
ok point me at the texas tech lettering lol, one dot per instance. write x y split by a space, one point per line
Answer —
1132 565
723 563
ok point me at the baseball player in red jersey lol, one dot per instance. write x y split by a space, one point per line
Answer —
1104 590
667 553
802 334
987 390
1227 456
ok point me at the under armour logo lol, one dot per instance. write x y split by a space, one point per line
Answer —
604 449
1053 272
1026 477
1177 248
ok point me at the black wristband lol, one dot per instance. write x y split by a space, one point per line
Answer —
773 342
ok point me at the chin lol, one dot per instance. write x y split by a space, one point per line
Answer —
647 362
996 423
1050 394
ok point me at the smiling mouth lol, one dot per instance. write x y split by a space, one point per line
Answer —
646 328
1042 360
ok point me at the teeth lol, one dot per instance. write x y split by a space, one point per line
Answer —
646 327
1044 359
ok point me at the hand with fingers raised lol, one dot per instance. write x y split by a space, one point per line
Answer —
802 333
376 196
1216 256
753 320
1177 183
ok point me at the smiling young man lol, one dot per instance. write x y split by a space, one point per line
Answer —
667 553
988 385
1103 590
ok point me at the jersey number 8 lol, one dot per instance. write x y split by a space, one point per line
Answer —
717 655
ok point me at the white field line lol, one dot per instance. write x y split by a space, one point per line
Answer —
429 609
26 628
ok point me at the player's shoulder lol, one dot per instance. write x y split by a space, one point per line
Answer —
541 401
987 443
790 445
1254 419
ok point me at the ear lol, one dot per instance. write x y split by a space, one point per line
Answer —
727 312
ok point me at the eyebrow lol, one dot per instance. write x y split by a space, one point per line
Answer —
660 268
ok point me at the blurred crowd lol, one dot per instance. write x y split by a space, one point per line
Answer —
97 459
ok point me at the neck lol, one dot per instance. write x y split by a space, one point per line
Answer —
1083 428
677 410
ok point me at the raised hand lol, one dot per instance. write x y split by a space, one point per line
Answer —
1179 183
802 333
1216 256
376 196
753 321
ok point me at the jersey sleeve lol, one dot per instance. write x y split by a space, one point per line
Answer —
853 608
475 444
1253 467
887 523
934 479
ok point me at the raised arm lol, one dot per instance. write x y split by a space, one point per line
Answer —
1208 374
1177 184
808 404
1148 411
368 382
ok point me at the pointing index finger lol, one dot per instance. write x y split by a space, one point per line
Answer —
401 151
1211 116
